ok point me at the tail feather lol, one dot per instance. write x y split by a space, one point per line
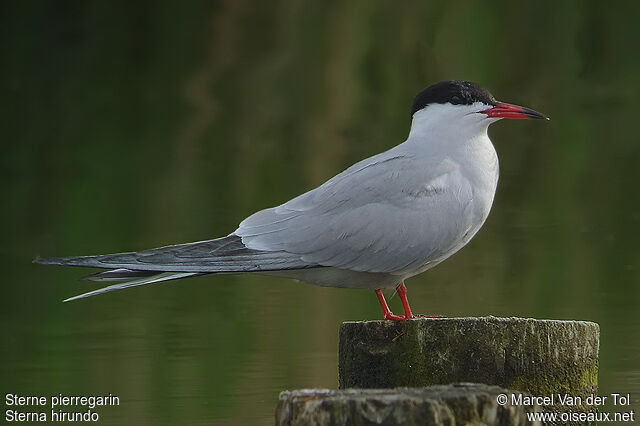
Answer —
156 278
222 255
115 275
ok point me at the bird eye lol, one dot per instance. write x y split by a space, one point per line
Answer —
455 100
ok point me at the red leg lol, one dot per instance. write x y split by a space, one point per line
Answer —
386 312
402 292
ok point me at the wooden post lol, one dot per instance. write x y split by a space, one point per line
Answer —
409 373
541 357
462 404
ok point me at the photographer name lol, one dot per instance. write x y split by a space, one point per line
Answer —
569 400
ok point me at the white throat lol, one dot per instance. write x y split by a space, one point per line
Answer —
450 125
457 135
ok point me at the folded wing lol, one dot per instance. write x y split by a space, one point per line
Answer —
222 255
388 214
228 254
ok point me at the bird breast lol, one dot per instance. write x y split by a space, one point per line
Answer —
474 183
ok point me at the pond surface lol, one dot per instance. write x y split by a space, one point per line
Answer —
136 127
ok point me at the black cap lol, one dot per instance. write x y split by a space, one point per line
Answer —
452 92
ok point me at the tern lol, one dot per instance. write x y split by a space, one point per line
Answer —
383 220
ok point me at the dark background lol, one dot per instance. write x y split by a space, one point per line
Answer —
132 125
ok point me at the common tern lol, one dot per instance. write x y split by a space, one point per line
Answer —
383 220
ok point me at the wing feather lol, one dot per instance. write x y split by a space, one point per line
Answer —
371 217
226 254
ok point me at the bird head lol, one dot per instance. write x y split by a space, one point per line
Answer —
455 107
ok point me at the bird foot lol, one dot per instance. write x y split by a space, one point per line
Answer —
393 317
386 312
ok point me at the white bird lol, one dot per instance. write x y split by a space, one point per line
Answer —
381 221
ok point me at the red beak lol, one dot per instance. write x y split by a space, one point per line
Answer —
502 110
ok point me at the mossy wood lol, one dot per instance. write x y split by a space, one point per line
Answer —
540 357
437 405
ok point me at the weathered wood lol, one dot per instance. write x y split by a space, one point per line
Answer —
457 404
540 357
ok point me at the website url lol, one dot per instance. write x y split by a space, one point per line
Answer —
570 416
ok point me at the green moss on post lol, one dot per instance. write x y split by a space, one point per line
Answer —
540 357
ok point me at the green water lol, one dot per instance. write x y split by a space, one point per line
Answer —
135 126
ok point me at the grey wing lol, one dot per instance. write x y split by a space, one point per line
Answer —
222 255
228 254
388 214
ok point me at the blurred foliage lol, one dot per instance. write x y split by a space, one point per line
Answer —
128 126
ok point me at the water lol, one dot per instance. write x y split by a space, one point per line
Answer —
128 128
